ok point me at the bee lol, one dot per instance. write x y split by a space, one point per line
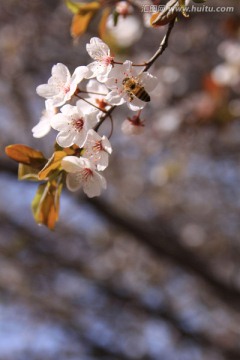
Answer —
134 88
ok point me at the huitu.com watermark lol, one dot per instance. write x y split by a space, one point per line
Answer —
146 8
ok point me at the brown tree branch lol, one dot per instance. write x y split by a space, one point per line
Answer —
162 241
122 297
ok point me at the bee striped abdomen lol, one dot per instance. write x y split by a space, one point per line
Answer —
142 95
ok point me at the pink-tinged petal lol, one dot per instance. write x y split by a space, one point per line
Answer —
46 91
93 135
106 145
85 163
65 139
94 86
69 110
97 48
128 128
85 108
103 161
136 104
59 122
91 120
114 98
72 164
149 81
114 83
80 138
80 73
102 78
94 185
61 72
127 68
104 75
80 108
50 109
95 68
117 73
58 101
41 129
73 182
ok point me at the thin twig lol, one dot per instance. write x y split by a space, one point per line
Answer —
91 92
162 47
88 102
148 64
103 118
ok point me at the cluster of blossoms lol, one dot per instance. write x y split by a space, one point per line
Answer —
76 112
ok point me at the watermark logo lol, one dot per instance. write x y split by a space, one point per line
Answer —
146 8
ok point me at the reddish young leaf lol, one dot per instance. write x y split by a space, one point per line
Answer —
82 17
26 155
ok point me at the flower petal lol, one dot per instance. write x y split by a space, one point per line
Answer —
114 98
103 161
97 48
95 68
106 145
80 138
47 91
65 138
91 119
72 182
71 164
94 86
61 72
59 122
41 129
69 110
136 104
94 185
79 74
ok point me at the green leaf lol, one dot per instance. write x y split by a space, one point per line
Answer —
115 18
26 172
72 6
81 7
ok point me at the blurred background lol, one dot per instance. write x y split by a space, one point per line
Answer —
150 270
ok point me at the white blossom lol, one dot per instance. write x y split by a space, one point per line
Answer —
82 173
61 86
127 31
132 126
44 126
95 92
73 125
119 94
123 8
97 149
100 52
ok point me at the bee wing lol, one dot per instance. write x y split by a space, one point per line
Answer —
149 81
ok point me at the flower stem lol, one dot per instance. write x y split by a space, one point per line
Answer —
91 92
121 63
